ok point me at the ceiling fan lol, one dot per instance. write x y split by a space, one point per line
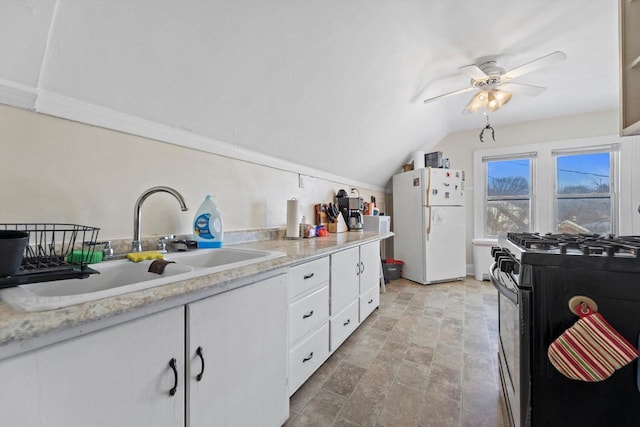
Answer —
494 84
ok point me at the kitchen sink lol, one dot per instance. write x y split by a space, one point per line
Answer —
123 276
231 257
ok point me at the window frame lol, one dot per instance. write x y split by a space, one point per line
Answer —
531 156
613 150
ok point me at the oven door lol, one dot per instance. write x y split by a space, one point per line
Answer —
514 347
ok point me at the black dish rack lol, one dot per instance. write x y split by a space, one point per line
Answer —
54 252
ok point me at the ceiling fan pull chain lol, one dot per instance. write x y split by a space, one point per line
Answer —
488 126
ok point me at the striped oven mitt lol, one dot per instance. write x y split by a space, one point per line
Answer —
591 350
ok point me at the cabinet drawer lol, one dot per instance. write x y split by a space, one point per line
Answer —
305 277
343 325
368 302
307 356
308 313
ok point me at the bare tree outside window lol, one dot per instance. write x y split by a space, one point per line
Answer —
508 205
583 193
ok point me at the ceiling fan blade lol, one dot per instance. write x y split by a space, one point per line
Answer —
474 72
455 92
549 59
522 88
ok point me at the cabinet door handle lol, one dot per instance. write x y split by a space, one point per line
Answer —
304 316
371 300
306 359
308 276
347 322
358 269
172 365
361 267
199 353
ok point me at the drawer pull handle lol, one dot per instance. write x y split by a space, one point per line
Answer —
306 359
304 316
371 300
172 365
199 353
308 276
347 322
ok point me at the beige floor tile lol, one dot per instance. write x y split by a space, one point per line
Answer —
344 378
401 407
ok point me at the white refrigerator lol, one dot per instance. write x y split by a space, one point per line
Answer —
429 224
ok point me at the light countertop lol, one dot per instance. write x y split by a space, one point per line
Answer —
21 331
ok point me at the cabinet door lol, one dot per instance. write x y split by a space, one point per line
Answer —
370 263
119 376
243 337
345 270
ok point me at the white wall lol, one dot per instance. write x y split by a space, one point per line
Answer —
460 146
56 170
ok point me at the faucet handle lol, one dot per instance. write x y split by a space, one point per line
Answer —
107 250
162 242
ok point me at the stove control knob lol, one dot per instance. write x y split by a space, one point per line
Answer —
506 265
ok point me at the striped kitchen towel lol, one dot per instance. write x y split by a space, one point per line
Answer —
591 350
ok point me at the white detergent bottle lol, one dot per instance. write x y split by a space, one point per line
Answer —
208 229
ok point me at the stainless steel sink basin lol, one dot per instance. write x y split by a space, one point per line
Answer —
123 276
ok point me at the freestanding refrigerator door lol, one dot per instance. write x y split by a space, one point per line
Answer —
445 243
408 222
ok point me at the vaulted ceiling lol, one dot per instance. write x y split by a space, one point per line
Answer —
334 85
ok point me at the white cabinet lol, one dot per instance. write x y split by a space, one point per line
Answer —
345 279
119 376
629 67
355 275
308 290
369 278
242 337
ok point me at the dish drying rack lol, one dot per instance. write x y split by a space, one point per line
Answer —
54 252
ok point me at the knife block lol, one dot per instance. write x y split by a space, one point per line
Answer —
338 227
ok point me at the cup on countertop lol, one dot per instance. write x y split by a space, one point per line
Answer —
12 246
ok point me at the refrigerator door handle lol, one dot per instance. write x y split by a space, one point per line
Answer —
429 223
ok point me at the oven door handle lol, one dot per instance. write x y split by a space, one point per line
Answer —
509 293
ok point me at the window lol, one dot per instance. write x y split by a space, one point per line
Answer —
583 192
569 186
508 194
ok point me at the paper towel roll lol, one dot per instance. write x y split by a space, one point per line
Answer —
293 230
418 160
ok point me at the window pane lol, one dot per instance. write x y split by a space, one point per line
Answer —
508 177
588 215
583 173
507 216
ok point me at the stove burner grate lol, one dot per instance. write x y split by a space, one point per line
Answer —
587 244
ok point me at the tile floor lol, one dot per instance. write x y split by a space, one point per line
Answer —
426 357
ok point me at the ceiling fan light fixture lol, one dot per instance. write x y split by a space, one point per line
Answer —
497 98
479 100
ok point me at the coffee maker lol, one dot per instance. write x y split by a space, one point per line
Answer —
351 208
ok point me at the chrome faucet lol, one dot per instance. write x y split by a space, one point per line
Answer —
136 246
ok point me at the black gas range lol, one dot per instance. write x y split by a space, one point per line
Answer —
536 276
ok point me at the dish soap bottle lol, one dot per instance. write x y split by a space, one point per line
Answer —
208 229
